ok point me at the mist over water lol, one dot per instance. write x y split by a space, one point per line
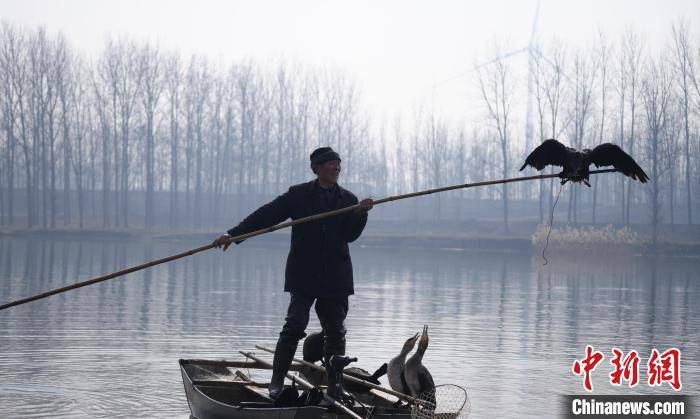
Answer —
502 325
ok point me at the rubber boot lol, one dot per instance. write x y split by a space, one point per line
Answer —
284 352
334 369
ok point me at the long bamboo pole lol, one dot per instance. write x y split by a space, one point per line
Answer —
307 386
278 227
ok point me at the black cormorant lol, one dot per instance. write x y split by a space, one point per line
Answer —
395 368
313 352
418 378
576 162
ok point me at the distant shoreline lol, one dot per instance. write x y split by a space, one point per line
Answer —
508 243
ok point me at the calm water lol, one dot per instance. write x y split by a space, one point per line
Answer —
501 325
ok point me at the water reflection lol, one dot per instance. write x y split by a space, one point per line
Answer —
501 324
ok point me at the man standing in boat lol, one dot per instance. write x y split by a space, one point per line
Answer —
318 266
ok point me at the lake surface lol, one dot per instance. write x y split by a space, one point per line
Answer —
501 325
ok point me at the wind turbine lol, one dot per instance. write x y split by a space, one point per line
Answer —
531 50
530 76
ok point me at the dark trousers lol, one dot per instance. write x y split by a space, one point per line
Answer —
330 311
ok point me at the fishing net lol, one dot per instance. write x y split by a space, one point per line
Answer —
448 401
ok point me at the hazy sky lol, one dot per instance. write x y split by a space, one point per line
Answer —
396 50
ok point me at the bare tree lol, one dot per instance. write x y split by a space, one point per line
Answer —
197 91
10 95
415 155
302 106
218 156
633 56
671 147
174 88
683 66
555 92
495 83
602 64
621 87
398 177
42 105
230 133
436 155
539 92
152 78
128 83
105 90
282 107
584 75
655 95
66 87
380 174
264 118
81 107
18 57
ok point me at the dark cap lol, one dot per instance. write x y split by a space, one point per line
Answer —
323 154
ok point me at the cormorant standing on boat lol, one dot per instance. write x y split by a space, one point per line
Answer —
319 268
418 378
312 349
576 162
395 369
313 352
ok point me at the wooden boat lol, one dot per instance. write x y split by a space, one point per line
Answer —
217 390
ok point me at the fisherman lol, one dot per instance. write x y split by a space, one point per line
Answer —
318 265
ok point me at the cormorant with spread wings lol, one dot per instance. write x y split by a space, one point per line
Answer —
575 162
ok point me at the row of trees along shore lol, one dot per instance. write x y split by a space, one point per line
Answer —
139 136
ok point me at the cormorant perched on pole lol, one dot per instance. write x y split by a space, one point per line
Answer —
418 378
576 162
395 369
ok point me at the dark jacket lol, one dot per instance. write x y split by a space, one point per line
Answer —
319 262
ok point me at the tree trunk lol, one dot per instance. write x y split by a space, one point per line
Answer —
173 162
125 169
149 169
117 167
66 160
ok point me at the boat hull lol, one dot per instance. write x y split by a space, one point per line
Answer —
213 392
